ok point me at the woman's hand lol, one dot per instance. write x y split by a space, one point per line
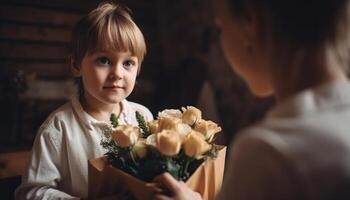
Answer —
178 190
125 195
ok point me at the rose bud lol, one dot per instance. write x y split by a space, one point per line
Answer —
191 115
195 145
168 142
153 126
125 135
207 128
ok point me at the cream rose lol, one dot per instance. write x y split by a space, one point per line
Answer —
153 126
183 130
191 115
195 145
207 128
168 123
125 135
168 142
170 113
175 124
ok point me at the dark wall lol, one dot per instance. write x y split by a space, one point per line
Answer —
192 52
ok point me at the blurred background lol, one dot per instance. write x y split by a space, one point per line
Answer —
184 66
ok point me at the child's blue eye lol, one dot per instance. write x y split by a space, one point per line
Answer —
104 60
129 64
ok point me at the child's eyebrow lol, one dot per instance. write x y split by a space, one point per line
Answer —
111 53
101 52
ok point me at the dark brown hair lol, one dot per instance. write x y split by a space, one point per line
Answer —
306 23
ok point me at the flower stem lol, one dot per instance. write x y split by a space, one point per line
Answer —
132 158
187 164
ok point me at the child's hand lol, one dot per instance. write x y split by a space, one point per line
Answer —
177 190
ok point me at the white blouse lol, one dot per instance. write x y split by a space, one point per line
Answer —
58 168
301 150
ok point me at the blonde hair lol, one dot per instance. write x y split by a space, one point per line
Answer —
109 27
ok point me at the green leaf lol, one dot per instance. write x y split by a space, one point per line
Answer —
213 152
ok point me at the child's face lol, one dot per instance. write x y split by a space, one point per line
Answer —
108 77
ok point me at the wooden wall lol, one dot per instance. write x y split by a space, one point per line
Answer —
34 46
34 35
34 50
35 76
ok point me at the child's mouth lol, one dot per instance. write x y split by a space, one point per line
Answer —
113 87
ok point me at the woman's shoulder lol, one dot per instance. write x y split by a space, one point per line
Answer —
304 154
256 163
287 142
285 147
257 137
302 148
299 137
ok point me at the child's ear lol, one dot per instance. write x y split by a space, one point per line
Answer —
74 68
75 71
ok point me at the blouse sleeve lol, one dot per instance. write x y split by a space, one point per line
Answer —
43 174
259 171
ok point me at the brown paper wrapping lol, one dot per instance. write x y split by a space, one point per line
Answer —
105 180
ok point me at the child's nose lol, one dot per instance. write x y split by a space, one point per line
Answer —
118 71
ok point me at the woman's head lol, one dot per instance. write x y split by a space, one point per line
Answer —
302 22
259 32
108 27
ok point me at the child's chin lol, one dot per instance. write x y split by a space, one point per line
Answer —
114 100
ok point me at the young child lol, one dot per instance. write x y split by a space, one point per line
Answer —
298 51
107 51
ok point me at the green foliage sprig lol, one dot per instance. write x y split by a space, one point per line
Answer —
142 125
114 120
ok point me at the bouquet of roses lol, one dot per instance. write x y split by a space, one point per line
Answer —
177 142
